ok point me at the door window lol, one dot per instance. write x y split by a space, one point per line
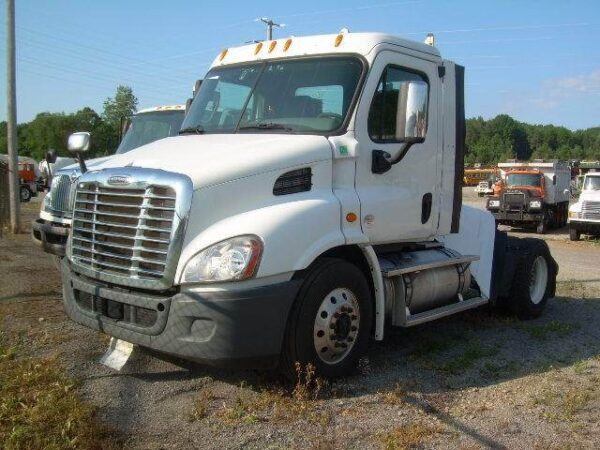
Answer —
399 107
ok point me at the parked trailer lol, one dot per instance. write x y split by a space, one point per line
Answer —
533 193
291 222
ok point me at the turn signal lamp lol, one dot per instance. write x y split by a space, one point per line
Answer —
351 217
222 55
258 47
338 39
272 46
287 44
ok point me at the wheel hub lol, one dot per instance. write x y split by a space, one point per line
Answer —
336 325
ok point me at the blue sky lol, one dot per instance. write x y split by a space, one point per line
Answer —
538 61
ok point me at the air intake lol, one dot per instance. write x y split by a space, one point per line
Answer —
293 182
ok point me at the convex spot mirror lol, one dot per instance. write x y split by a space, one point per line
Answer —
79 142
411 117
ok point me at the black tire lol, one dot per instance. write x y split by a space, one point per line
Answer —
320 280
521 301
542 227
25 194
574 235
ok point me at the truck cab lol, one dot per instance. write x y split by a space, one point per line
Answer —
51 229
584 215
312 198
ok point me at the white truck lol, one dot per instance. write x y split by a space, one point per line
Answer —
312 198
51 229
533 193
584 215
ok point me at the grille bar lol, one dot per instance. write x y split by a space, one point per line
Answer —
123 231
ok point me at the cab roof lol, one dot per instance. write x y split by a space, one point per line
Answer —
344 42
162 108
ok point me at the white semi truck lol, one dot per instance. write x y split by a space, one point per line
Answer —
312 198
51 229
584 215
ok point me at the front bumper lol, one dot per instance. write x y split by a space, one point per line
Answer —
517 216
241 328
585 226
50 236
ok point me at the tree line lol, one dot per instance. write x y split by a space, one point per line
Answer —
487 141
502 138
51 130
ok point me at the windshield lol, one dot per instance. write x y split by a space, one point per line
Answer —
309 95
591 184
524 179
149 127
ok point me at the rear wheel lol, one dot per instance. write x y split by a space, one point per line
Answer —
331 320
574 235
534 279
25 193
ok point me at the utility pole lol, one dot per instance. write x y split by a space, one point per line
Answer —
11 102
270 24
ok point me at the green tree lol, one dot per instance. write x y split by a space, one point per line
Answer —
121 106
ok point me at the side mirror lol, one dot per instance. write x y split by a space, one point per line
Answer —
411 119
50 156
79 142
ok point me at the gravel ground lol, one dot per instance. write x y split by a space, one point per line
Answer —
474 380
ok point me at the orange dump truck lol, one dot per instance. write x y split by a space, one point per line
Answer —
532 193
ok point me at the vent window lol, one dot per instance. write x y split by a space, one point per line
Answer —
293 182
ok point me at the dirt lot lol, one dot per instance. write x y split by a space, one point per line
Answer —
470 381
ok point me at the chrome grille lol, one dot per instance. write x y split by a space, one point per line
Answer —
123 231
590 210
130 234
63 195
514 200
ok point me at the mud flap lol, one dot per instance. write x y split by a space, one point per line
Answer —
118 354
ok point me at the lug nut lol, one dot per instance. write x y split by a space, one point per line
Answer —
354 317
350 339
332 326
344 345
353 328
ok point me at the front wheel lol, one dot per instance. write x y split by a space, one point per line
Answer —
25 193
574 235
534 279
542 227
331 321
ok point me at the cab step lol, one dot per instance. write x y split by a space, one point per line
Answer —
443 311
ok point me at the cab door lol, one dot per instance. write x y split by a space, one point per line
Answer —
400 149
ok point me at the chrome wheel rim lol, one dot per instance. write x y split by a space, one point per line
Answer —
337 324
538 279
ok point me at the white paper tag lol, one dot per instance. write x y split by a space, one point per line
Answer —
118 354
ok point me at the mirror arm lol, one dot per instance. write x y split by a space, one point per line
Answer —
382 161
81 162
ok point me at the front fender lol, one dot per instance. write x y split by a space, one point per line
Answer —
295 228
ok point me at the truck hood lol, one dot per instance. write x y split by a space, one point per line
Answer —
589 196
530 191
91 164
216 158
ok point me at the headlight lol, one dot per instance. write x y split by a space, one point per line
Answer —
494 204
573 215
535 204
230 260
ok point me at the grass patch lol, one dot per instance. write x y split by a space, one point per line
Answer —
40 408
411 435
546 330
565 405
473 352
268 404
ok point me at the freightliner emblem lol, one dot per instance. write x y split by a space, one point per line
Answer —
119 179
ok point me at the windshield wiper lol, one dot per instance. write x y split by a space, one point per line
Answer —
266 126
192 130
